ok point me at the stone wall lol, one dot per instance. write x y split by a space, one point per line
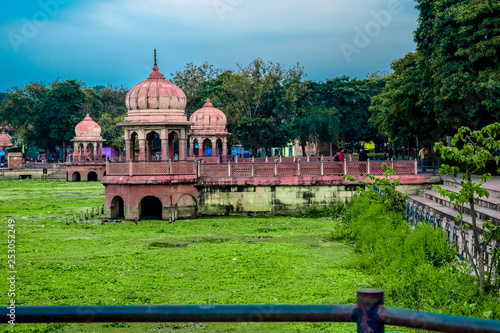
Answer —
277 199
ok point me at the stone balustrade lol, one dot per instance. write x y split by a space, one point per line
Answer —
272 168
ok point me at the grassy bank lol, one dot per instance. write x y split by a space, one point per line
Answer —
204 261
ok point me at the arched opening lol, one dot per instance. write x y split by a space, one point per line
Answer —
153 146
90 152
92 176
117 207
219 147
134 146
196 148
207 147
187 207
173 145
76 176
151 208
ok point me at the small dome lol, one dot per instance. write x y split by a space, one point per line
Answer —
88 128
208 119
5 139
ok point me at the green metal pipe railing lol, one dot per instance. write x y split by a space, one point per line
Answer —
369 313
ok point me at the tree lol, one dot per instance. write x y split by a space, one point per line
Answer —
21 109
319 124
61 111
191 80
260 102
351 97
396 111
478 148
111 132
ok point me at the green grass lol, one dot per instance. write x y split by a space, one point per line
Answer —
223 260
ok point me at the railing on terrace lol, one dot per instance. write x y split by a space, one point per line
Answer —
369 314
258 169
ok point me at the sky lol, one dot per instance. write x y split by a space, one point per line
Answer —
101 42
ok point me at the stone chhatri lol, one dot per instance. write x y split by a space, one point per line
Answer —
88 129
208 120
155 99
5 140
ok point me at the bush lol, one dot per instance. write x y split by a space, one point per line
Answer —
417 268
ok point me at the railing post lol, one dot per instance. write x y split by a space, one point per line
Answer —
345 166
365 313
107 167
275 167
267 159
229 169
298 167
195 165
253 167
350 158
392 163
416 165
368 165
236 159
130 168
280 158
322 166
199 168
169 166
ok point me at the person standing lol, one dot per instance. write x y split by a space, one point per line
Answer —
363 156
341 155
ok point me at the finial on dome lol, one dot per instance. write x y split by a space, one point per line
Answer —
155 56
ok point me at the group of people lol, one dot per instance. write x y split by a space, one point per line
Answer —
363 156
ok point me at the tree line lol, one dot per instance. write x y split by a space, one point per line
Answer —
267 105
451 80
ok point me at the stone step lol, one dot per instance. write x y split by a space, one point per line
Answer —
491 202
59 174
444 212
493 186
482 212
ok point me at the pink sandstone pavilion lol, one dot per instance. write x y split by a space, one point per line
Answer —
162 181
87 163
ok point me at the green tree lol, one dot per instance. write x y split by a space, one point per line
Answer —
191 80
22 107
351 97
61 110
260 102
111 132
478 148
113 100
317 125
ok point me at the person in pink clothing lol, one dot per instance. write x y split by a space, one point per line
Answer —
341 155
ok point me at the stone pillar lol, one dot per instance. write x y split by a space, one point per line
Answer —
142 149
182 148
94 151
99 151
128 150
150 148
164 146
224 148
214 147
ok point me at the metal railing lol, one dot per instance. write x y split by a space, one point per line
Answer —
369 314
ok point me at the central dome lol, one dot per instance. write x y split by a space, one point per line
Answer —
155 97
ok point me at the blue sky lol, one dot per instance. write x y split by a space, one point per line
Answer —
102 42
